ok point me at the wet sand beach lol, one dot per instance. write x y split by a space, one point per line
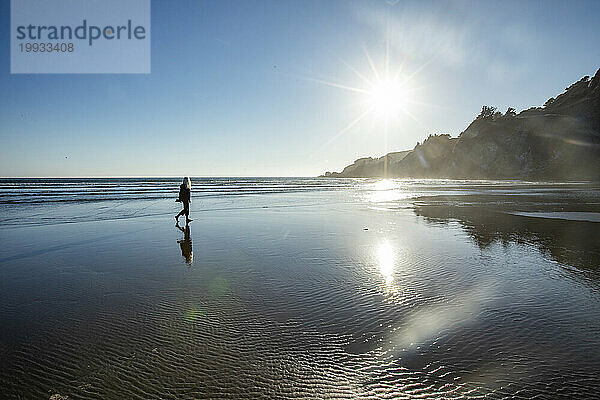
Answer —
299 288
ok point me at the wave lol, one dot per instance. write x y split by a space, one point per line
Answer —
44 190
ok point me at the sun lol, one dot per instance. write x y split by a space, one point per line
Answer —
387 93
387 98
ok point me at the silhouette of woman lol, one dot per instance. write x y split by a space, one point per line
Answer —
185 197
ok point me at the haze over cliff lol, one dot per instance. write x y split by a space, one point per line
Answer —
559 141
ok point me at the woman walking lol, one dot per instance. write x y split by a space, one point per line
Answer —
185 196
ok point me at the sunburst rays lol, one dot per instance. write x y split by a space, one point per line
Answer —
386 93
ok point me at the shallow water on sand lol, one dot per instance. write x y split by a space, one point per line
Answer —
333 289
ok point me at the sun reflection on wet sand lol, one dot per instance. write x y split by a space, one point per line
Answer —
386 190
386 258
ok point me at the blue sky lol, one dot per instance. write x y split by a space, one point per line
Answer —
236 86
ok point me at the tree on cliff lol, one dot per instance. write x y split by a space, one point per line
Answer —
487 112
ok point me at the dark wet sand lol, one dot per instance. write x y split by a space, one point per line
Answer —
347 294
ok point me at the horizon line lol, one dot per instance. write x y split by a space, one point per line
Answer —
158 176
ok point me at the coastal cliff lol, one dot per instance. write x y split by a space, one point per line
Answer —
559 141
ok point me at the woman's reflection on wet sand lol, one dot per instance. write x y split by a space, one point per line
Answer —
186 244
